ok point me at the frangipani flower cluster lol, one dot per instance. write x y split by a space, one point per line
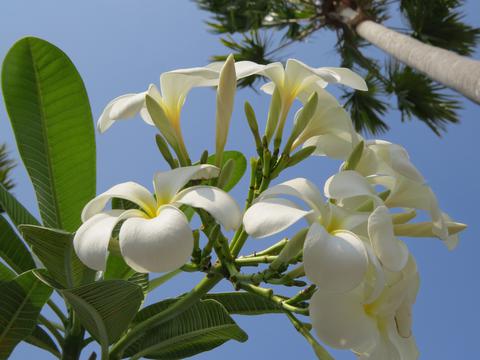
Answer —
366 278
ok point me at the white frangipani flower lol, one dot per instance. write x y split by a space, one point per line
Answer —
334 257
174 87
156 237
375 329
351 188
297 77
330 130
298 81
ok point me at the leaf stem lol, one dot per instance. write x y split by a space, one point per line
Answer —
269 295
319 350
153 284
184 303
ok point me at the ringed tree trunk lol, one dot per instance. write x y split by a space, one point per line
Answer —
446 67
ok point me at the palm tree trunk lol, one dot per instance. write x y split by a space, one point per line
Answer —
446 67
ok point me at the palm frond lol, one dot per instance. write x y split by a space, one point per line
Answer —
420 97
366 107
440 23
251 47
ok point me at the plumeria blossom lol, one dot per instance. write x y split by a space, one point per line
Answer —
297 78
403 192
375 329
330 130
174 88
157 236
335 257
298 81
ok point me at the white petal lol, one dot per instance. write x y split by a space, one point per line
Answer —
301 188
340 218
129 191
215 201
336 263
343 76
375 281
155 94
92 238
176 84
347 184
276 73
341 322
163 243
403 315
122 107
397 158
392 252
168 183
247 68
384 348
334 145
412 194
328 120
127 107
271 216
268 88
298 76
242 68
406 347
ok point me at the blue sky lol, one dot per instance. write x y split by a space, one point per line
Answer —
121 46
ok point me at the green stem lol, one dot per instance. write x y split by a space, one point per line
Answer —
73 344
255 260
185 302
319 350
162 279
269 295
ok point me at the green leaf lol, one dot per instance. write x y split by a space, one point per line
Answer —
21 301
6 165
55 250
14 209
243 303
105 308
202 327
12 249
51 118
5 273
238 170
42 340
118 269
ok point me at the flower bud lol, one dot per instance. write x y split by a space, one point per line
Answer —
227 86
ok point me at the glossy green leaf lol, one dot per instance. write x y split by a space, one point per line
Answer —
15 210
42 340
243 303
12 249
202 327
238 170
105 308
55 250
51 118
118 269
21 301
6 273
